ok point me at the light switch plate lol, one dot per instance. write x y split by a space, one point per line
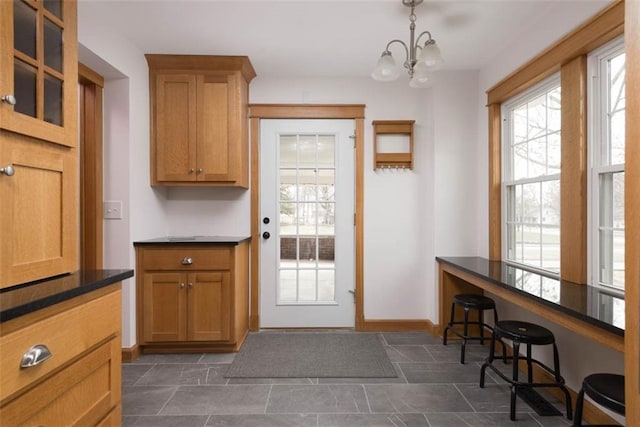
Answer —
112 209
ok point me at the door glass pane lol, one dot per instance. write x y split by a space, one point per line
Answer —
326 285
24 28
53 100
288 154
326 150
307 151
52 45
24 82
288 219
288 286
307 285
326 185
307 219
54 6
307 185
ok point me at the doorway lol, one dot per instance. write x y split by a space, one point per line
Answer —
307 208
262 112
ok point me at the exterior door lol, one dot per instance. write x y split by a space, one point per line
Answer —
307 252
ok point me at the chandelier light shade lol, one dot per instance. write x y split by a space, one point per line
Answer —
420 60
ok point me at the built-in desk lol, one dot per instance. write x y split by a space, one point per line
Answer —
589 311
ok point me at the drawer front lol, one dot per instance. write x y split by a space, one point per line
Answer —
187 258
82 394
66 335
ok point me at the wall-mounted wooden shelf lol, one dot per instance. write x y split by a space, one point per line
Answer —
393 144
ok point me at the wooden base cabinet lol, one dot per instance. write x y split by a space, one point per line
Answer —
80 384
192 297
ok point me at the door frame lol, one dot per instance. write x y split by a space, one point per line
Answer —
90 88
306 111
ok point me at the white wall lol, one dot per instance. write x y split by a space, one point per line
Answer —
579 356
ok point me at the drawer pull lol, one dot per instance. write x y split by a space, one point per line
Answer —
187 261
35 356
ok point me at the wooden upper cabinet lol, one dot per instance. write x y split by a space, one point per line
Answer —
39 183
39 69
199 130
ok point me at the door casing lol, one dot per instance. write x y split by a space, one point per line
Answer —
306 111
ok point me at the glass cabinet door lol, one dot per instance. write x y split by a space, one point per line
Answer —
39 65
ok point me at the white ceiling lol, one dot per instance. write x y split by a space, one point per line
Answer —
312 38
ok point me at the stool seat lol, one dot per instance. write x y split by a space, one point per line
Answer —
605 389
479 302
470 302
519 332
524 332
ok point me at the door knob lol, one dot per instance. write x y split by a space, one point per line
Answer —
7 170
9 99
266 235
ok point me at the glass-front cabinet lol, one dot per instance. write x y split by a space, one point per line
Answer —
39 223
38 63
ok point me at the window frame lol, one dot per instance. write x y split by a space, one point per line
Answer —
598 140
506 109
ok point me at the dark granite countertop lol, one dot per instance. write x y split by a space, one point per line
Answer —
597 306
194 240
23 299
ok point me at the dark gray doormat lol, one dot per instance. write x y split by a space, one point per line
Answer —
311 354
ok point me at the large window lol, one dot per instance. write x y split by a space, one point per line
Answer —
606 181
531 182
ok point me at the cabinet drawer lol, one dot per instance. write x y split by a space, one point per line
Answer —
178 258
82 394
66 335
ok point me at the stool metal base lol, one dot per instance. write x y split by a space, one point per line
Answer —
470 302
515 382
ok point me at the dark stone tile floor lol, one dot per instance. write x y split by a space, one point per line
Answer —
432 389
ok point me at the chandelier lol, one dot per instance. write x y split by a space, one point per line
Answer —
420 60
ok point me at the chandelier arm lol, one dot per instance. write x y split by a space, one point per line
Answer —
406 49
422 34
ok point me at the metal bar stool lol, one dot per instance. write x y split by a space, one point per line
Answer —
471 302
530 334
605 389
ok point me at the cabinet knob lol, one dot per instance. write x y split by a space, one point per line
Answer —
191 170
190 285
9 99
7 170
35 356
181 285
187 261
200 170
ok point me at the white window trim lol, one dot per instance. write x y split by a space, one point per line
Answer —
539 89
597 130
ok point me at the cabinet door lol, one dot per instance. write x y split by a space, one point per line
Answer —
39 216
164 307
175 128
217 157
39 69
209 307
